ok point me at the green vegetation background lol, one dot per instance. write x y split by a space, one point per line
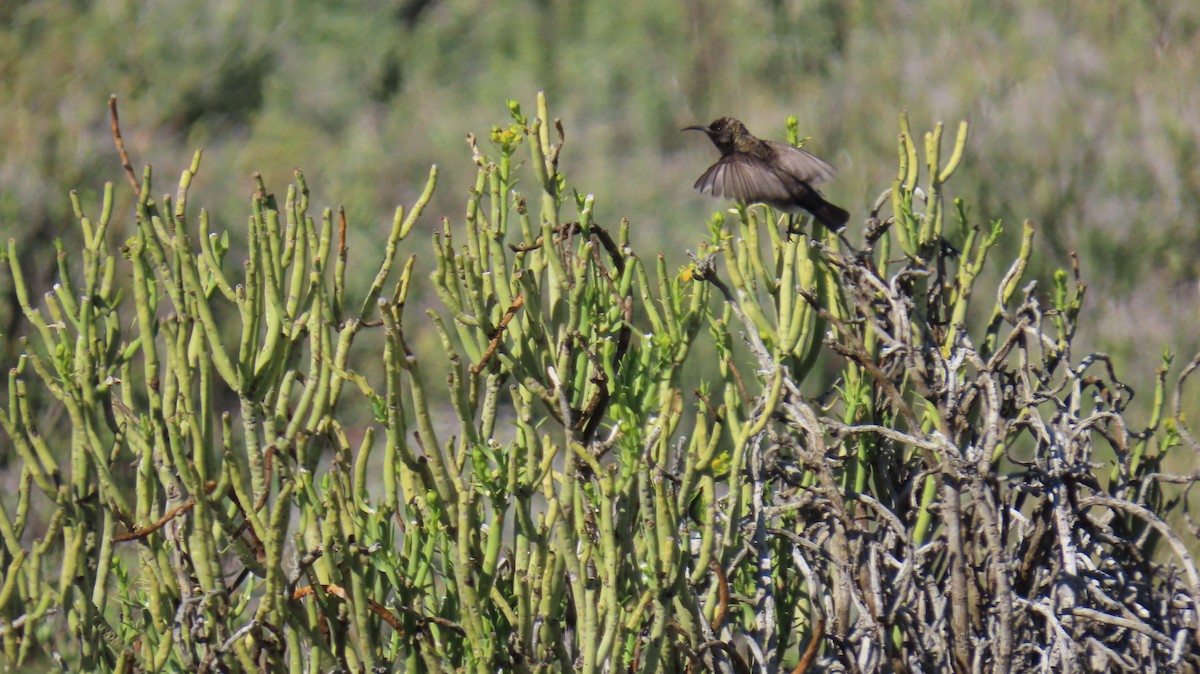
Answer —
1085 116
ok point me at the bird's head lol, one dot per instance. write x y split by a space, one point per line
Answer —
724 132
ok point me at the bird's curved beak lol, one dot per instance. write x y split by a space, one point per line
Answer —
694 128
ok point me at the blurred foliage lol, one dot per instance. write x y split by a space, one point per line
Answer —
1086 114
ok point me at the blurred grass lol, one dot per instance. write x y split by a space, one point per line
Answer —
1085 117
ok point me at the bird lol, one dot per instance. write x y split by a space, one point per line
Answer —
753 170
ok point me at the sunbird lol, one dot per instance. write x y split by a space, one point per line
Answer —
753 170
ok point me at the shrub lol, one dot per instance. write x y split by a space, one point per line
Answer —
871 476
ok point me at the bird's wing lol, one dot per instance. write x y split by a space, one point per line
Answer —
801 164
743 177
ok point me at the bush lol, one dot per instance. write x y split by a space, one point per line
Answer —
871 478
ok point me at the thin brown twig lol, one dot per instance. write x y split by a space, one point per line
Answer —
525 247
342 232
495 341
814 647
161 522
372 605
158 524
116 133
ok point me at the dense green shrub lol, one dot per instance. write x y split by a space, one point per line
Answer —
869 479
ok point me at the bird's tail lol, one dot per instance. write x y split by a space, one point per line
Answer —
827 214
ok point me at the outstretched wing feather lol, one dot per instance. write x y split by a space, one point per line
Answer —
802 164
743 177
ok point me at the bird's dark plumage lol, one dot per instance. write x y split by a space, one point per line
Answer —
753 170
